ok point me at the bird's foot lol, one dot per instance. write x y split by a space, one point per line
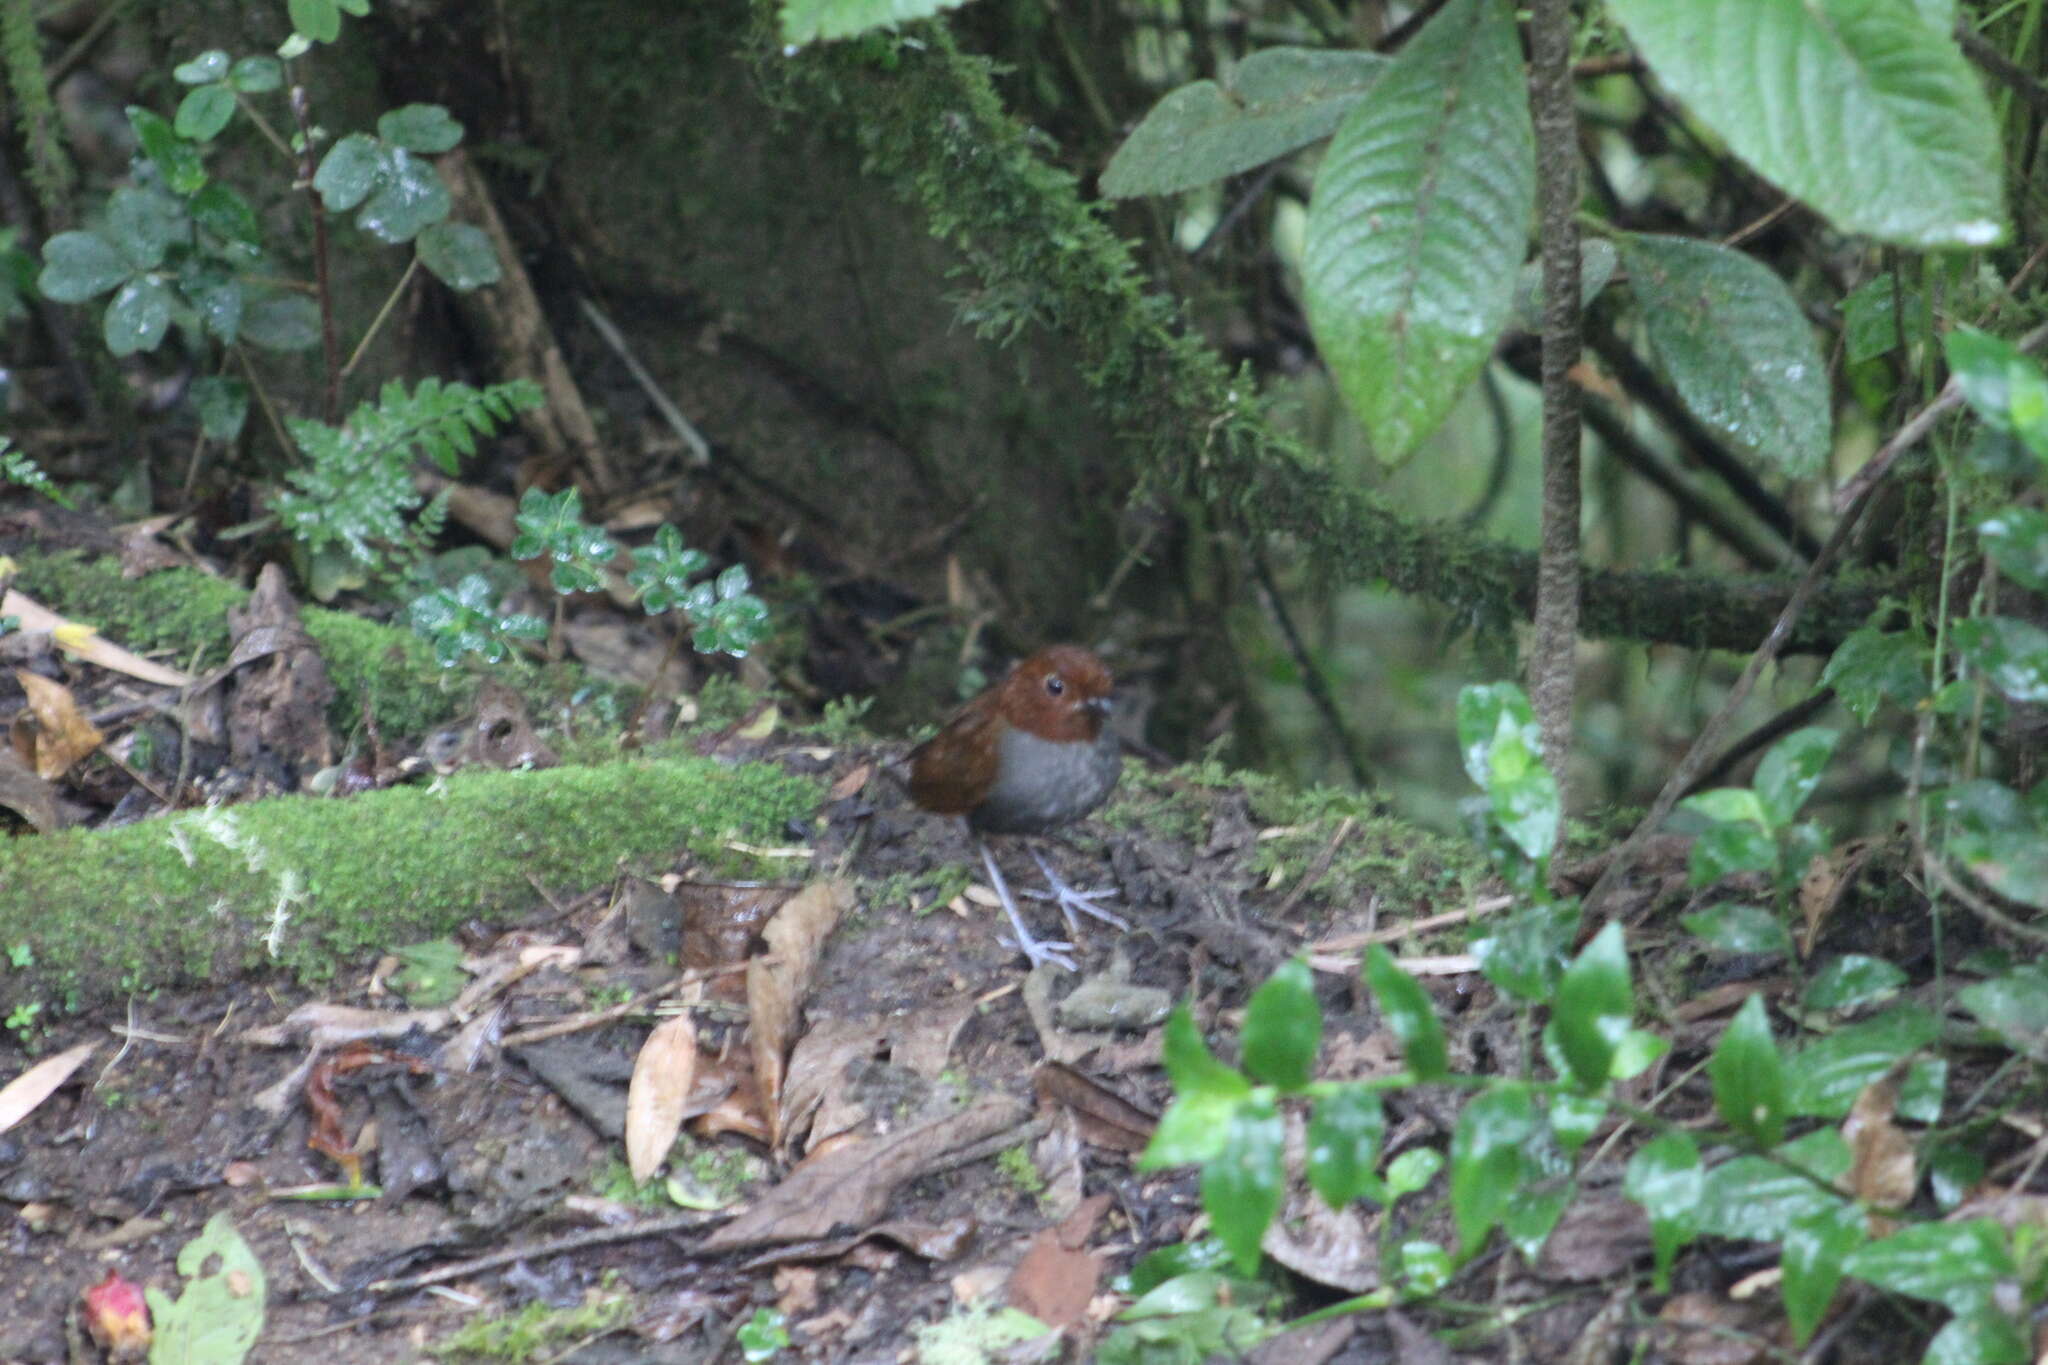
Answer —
1074 902
1036 950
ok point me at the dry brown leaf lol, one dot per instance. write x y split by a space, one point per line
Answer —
29 796
1057 1277
20 1096
850 1186
1104 1118
1828 878
35 616
63 734
1705 1329
778 982
1598 1236
814 1094
658 1094
320 1025
1882 1169
852 782
1333 1247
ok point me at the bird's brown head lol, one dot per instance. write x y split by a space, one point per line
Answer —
1061 693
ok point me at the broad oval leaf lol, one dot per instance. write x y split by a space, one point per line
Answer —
204 112
460 255
807 21
410 199
1419 223
1666 1178
1824 1077
1595 1002
1791 770
78 266
1749 1076
1241 1184
1956 1265
1859 107
1815 1246
1344 1133
351 169
1487 1160
1730 337
1283 1026
1408 1012
420 128
2016 538
139 316
1274 102
2013 653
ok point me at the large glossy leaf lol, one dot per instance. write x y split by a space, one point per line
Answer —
1862 108
1665 1177
1749 1076
1824 1077
1730 337
807 21
1241 1186
1487 1160
1272 103
1283 1027
1420 220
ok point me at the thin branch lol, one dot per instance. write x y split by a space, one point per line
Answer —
1552 660
1312 680
330 341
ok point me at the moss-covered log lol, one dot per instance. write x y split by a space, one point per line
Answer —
310 886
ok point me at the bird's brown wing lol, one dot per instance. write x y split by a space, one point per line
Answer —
951 773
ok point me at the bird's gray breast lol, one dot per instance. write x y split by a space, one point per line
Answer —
1044 783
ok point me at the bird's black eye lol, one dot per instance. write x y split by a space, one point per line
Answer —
1055 685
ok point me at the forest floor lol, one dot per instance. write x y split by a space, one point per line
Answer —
895 1142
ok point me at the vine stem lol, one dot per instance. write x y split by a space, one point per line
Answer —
330 343
390 302
1552 681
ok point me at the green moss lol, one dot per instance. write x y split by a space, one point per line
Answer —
536 1331
181 616
309 885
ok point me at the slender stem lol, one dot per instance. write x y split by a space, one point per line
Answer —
390 301
1552 680
330 343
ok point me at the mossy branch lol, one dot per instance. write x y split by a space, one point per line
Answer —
309 886
928 119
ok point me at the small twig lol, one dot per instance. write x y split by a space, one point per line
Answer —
1939 874
1345 943
330 342
1756 225
1786 721
390 301
599 1018
700 449
579 1241
1317 868
1312 680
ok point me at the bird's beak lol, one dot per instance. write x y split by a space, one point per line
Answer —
1101 706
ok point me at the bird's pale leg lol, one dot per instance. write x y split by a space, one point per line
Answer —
1071 900
1037 952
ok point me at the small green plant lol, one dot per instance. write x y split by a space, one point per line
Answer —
1513 1157
538 1331
18 469
728 618
763 1336
21 955
841 723
21 1020
1756 829
1016 1166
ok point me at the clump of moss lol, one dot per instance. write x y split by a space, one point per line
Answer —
536 1331
310 885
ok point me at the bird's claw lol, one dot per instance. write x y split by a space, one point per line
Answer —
1042 951
1072 901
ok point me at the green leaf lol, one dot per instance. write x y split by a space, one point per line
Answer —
1484 710
1597 262
1857 107
1874 666
1283 1026
352 168
1729 804
144 224
1413 1170
2016 538
1524 953
1814 1248
1851 980
219 1316
460 255
1982 1336
1207 1095
810 21
1756 1199
222 404
1870 318
1790 772
1741 929
1408 1013
205 68
78 266
1575 1118
1526 805
1957 1265
139 316
1344 1133
1241 1184
2013 653
1664 1176
410 199
204 112
175 159
420 128
1982 366
1275 101
257 75
1594 1006
1725 849
1419 222
225 214
282 322
319 20
2014 1006
1734 343
1749 1076
216 294
1487 1160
